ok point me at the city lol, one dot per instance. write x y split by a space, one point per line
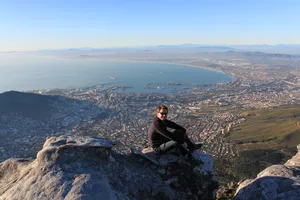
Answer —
207 114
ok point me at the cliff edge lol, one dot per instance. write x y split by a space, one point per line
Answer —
88 168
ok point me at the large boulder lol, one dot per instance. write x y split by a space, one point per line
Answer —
65 149
73 167
80 168
275 182
86 168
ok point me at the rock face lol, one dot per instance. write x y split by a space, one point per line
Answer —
88 168
196 176
275 182
203 163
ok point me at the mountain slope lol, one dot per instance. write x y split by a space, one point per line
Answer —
27 104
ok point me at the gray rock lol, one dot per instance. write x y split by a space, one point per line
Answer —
149 156
60 150
161 171
171 180
206 164
78 168
270 187
162 160
167 159
295 161
89 187
275 182
85 168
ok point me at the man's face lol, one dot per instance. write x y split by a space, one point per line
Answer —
162 114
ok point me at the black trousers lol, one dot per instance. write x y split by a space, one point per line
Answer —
180 139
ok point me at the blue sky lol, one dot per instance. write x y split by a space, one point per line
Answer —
53 24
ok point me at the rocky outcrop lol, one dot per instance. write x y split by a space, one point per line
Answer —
202 163
194 176
275 182
88 168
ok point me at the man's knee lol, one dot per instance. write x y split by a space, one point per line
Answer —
166 147
157 150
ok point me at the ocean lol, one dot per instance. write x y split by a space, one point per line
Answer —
28 72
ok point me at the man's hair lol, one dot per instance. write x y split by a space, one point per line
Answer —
158 108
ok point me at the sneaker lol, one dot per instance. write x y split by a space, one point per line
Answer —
195 146
198 145
191 148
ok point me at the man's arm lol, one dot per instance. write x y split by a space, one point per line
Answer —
163 131
175 126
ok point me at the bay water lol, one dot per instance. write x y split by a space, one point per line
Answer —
28 72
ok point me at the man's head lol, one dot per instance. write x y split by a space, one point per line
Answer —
162 112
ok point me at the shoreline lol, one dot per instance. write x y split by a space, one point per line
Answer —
170 63
162 62
145 61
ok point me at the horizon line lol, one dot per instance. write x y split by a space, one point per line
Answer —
147 46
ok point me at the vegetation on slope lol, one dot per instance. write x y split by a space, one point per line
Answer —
265 138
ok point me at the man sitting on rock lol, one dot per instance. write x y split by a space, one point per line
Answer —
162 140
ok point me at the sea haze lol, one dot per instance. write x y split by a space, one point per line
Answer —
23 73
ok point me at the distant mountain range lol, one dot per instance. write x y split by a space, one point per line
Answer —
277 55
278 48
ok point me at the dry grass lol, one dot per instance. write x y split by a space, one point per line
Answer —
267 137
269 128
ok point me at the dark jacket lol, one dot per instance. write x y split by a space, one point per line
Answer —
158 133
